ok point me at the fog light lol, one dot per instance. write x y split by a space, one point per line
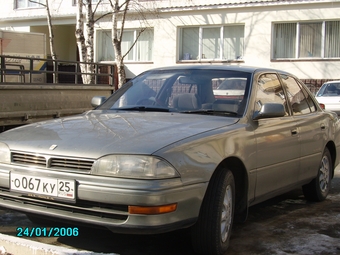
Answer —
152 209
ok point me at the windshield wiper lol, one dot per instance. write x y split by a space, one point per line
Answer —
211 112
143 108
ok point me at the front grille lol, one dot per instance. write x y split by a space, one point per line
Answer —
28 159
74 164
47 161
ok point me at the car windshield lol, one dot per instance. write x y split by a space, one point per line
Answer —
329 90
185 91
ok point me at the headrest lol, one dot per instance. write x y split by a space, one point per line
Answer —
187 101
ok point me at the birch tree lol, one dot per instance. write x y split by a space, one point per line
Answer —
119 13
50 36
85 38
50 27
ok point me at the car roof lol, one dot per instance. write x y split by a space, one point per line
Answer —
330 82
249 69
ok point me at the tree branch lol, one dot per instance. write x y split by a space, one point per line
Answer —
134 43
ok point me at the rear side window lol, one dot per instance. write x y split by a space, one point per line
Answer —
298 98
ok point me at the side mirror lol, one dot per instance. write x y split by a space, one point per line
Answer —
270 110
98 100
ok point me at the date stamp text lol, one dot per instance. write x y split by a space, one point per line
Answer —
47 231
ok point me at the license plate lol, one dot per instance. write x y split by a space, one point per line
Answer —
60 188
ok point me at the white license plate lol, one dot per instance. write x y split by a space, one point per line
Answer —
60 188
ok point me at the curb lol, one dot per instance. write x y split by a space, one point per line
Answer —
10 245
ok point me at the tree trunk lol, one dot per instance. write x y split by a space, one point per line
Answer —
50 36
89 42
85 43
51 40
117 40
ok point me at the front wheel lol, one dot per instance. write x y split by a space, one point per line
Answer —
318 189
211 233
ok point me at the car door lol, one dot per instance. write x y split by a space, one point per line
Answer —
277 141
311 127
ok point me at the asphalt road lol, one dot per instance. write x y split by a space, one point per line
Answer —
287 224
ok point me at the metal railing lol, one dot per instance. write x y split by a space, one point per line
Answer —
16 69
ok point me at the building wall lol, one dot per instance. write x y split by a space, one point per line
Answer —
258 18
258 22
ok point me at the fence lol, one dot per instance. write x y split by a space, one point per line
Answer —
15 69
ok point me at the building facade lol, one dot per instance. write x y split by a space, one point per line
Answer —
301 37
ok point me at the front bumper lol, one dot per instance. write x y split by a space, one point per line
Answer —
104 201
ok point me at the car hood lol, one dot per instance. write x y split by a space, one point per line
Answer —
98 133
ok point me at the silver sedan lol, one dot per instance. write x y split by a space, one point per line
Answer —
163 153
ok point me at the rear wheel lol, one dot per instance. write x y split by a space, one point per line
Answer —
318 189
211 233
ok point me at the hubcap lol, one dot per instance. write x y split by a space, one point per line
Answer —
324 174
226 216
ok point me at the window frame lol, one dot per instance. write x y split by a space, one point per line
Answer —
220 51
134 51
27 3
297 44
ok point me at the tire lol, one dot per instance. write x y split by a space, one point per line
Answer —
211 233
318 189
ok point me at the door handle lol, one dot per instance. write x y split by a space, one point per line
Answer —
322 126
294 131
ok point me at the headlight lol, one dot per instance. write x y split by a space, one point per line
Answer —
5 153
133 166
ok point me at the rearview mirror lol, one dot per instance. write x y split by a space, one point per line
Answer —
270 110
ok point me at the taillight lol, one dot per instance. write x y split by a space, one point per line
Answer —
322 106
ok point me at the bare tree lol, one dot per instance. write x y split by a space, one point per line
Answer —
50 27
50 36
119 13
85 38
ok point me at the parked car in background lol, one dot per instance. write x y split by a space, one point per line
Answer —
329 96
162 153
231 88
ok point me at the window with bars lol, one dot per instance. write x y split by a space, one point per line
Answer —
212 43
22 4
141 51
306 40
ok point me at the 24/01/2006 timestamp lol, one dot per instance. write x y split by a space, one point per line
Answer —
47 232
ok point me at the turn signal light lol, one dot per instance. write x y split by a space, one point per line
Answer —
152 209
